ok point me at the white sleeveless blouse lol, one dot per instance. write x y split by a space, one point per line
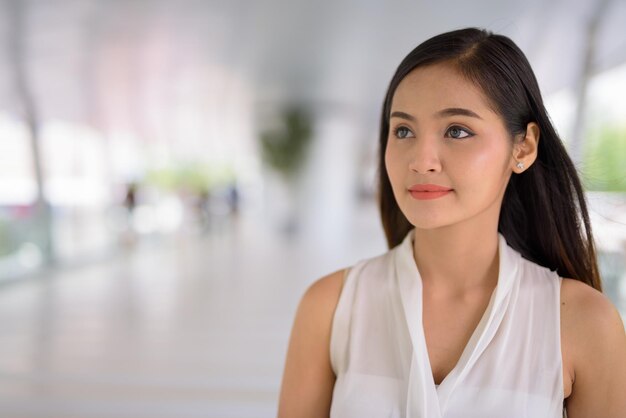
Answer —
511 366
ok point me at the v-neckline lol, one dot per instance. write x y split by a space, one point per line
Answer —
423 393
469 346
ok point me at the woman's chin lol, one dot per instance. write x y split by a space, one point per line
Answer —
423 223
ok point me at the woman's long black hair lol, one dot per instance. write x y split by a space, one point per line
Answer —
544 213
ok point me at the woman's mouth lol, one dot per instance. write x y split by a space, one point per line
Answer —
428 191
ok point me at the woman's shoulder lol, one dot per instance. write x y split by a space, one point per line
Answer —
329 287
594 338
321 297
319 301
587 312
584 304
308 377
324 292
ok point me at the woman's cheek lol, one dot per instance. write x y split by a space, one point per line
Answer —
482 176
393 168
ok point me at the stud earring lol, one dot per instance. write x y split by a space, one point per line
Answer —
520 165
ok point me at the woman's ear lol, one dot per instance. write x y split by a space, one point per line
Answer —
525 148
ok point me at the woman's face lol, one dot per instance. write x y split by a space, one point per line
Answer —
442 132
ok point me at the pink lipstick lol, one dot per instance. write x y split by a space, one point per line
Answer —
428 191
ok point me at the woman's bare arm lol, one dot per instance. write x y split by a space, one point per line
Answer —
308 379
598 346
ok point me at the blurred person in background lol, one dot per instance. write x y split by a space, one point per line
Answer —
233 200
202 207
489 300
130 199
130 204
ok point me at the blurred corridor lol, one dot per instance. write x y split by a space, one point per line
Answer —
189 327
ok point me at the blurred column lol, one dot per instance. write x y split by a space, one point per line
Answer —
576 143
330 182
17 36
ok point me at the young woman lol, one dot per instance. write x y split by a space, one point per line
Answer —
488 302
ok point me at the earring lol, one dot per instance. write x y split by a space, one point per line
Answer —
520 165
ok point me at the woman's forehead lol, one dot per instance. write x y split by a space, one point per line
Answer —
438 86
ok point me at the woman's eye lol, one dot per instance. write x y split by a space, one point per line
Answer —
402 132
457 132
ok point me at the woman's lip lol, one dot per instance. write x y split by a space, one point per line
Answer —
428 195
428 188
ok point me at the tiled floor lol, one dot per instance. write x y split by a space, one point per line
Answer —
190 327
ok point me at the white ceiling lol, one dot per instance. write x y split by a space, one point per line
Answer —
106 61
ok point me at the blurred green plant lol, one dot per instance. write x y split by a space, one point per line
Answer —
15 231
7 244
193 177
284 149
604 165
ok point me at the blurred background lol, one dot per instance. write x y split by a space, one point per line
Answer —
173 175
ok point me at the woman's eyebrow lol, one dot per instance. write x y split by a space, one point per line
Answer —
403 115
451 111
457 111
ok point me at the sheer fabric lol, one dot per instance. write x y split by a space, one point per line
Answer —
511 366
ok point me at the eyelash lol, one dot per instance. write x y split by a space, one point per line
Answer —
469 133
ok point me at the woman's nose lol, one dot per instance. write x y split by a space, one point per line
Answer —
425 155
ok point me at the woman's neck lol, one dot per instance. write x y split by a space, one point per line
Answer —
457 260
